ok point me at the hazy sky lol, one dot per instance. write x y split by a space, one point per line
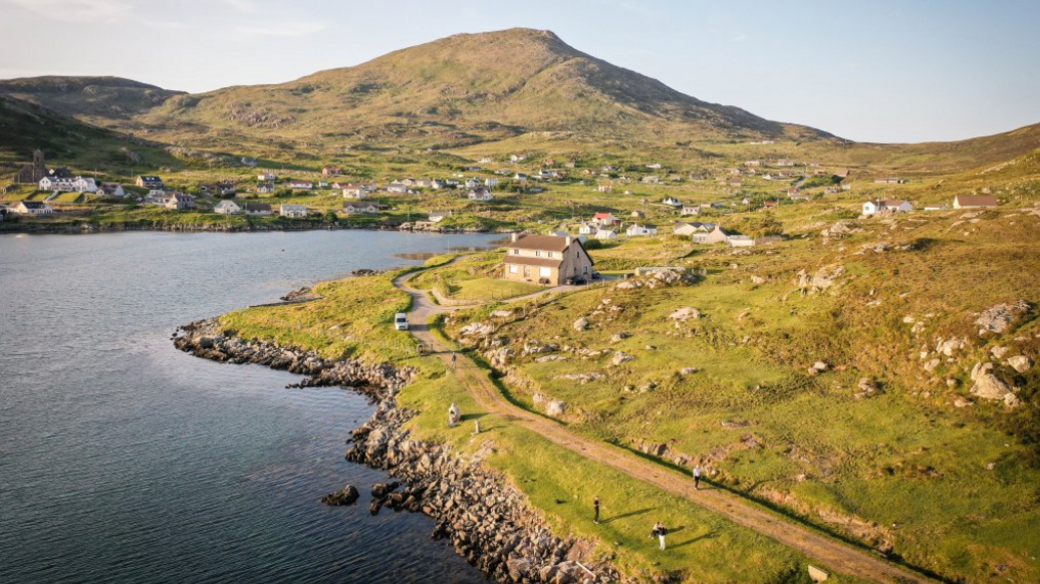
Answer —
892 71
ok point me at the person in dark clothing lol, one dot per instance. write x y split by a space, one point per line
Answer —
595 507
454 360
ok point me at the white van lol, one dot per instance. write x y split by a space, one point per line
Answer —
401 321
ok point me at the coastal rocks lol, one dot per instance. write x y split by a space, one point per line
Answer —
347 496
486 520
996 319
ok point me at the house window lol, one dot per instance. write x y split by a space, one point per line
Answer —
544 272
550 254
538 254
513 269
585 270
516 251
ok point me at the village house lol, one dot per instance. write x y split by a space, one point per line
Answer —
323 184
748 241
111 189
770 205
438 216
604 219
355 191
480 194
78 184
517 158
293 211
227 207
690 210
301 185
258 209
248 161
546 259
889 181
490 183
605 235
586 228
637 230
637 214
266 176
265 188
520 177
397 188
604 188
936 208
886 206
221 189
672 202
471 183
693 228
331 171
179 201
716 235
359 207
32 208
149 182
974 202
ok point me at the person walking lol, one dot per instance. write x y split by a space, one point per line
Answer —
454 361
660 531
697 477
595 507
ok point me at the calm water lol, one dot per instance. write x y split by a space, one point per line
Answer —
125 460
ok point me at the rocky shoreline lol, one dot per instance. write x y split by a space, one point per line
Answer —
487 520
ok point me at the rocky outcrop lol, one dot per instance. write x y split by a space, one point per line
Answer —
989 386
487 520
348 495
996 319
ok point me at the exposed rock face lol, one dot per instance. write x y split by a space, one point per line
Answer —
664 278
486 519
996 319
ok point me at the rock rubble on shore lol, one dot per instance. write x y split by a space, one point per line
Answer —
487 520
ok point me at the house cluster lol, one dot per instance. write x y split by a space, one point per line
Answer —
878 207
716 234
230 207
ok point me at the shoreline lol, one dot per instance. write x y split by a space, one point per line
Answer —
89 229
487 520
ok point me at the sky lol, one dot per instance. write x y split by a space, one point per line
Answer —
875 71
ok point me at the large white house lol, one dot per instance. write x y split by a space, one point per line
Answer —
79 184
227 207
887 206
32 208
368 208
112 189
637 230
480 194
295 211
672 202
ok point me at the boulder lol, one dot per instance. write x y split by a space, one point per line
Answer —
758 280
685 313
476 329
581 324
347 496
987 385
556 408
1020 363
621 357
618 337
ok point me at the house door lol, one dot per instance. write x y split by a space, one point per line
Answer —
527 271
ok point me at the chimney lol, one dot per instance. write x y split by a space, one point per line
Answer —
515 236
568 241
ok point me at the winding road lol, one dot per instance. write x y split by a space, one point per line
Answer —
826 550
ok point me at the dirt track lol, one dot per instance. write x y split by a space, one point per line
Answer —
830 553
